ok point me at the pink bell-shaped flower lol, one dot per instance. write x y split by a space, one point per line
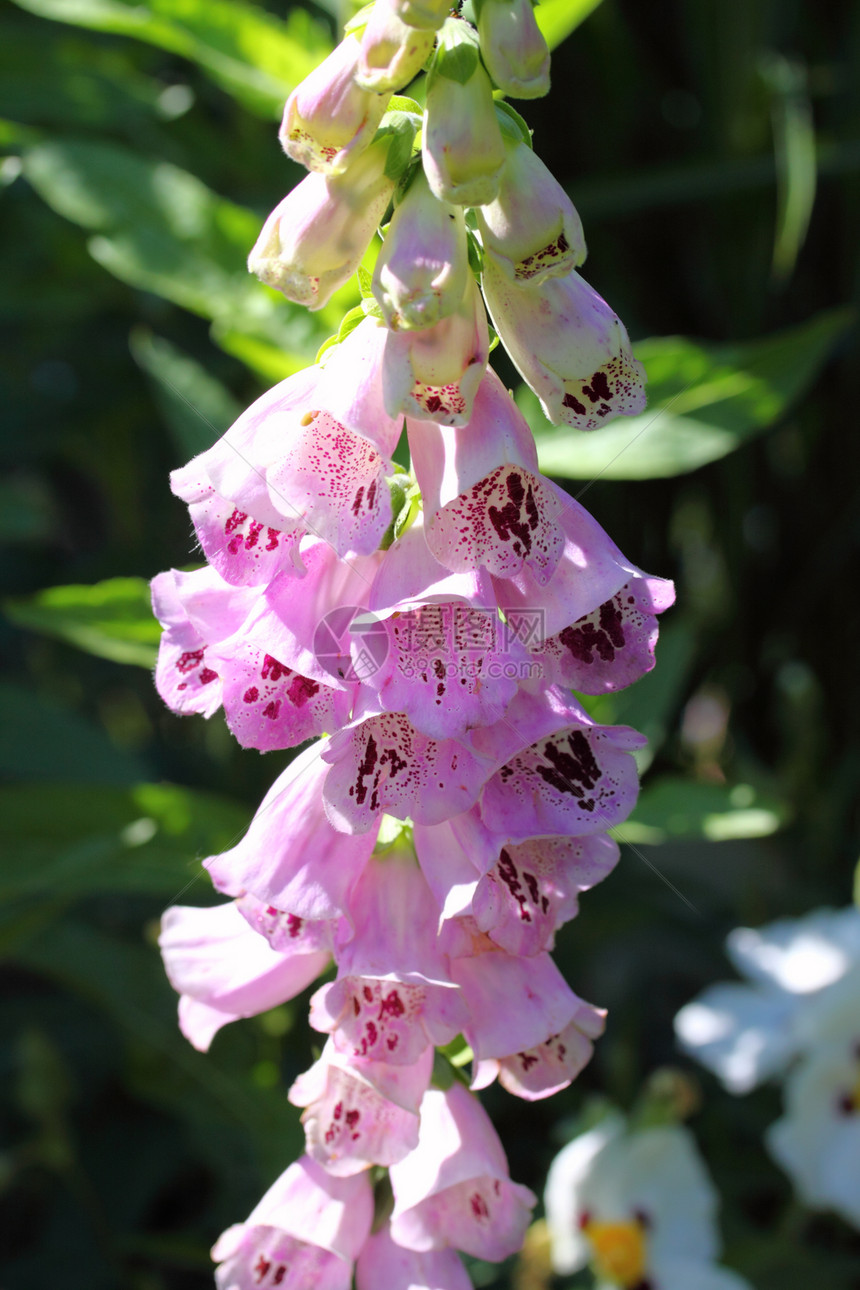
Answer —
360 1112
531 228
513 48
433 374
570 347
422 269
313 241
392 52
454 1189
296 460
304 1234
330 118
393 997
462 148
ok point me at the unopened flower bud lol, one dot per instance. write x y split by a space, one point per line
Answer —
314 239
329 117
420 275
532 228
429 14
568 345
513 47
463 150
392 53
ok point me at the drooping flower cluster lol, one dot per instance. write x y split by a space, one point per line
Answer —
637 1205
426 630
797 1018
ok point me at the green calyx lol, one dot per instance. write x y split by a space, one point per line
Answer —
457 56
405 505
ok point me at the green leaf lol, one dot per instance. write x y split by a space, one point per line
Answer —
76 840
49 76
705 401
402 127
672 807
111 619
795 154
196 407
161 229
251 54
558 18
44 741
127 982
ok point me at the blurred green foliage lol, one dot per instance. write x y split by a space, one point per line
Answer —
713 150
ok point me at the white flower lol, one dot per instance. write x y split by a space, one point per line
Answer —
639 1207
803 973
817 1141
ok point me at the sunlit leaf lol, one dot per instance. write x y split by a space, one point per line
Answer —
558 18
112 619
54 77
703 402
196 407
794 150
250 53
672 807
75 840
160 228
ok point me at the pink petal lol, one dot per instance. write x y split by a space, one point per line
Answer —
454 1188
450 461
305 1232
334 481
613 645
349 1122
270 706
291 857
384 1264
434 374
515 1003
574 782
214 957
532 888
539 1072
450 667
